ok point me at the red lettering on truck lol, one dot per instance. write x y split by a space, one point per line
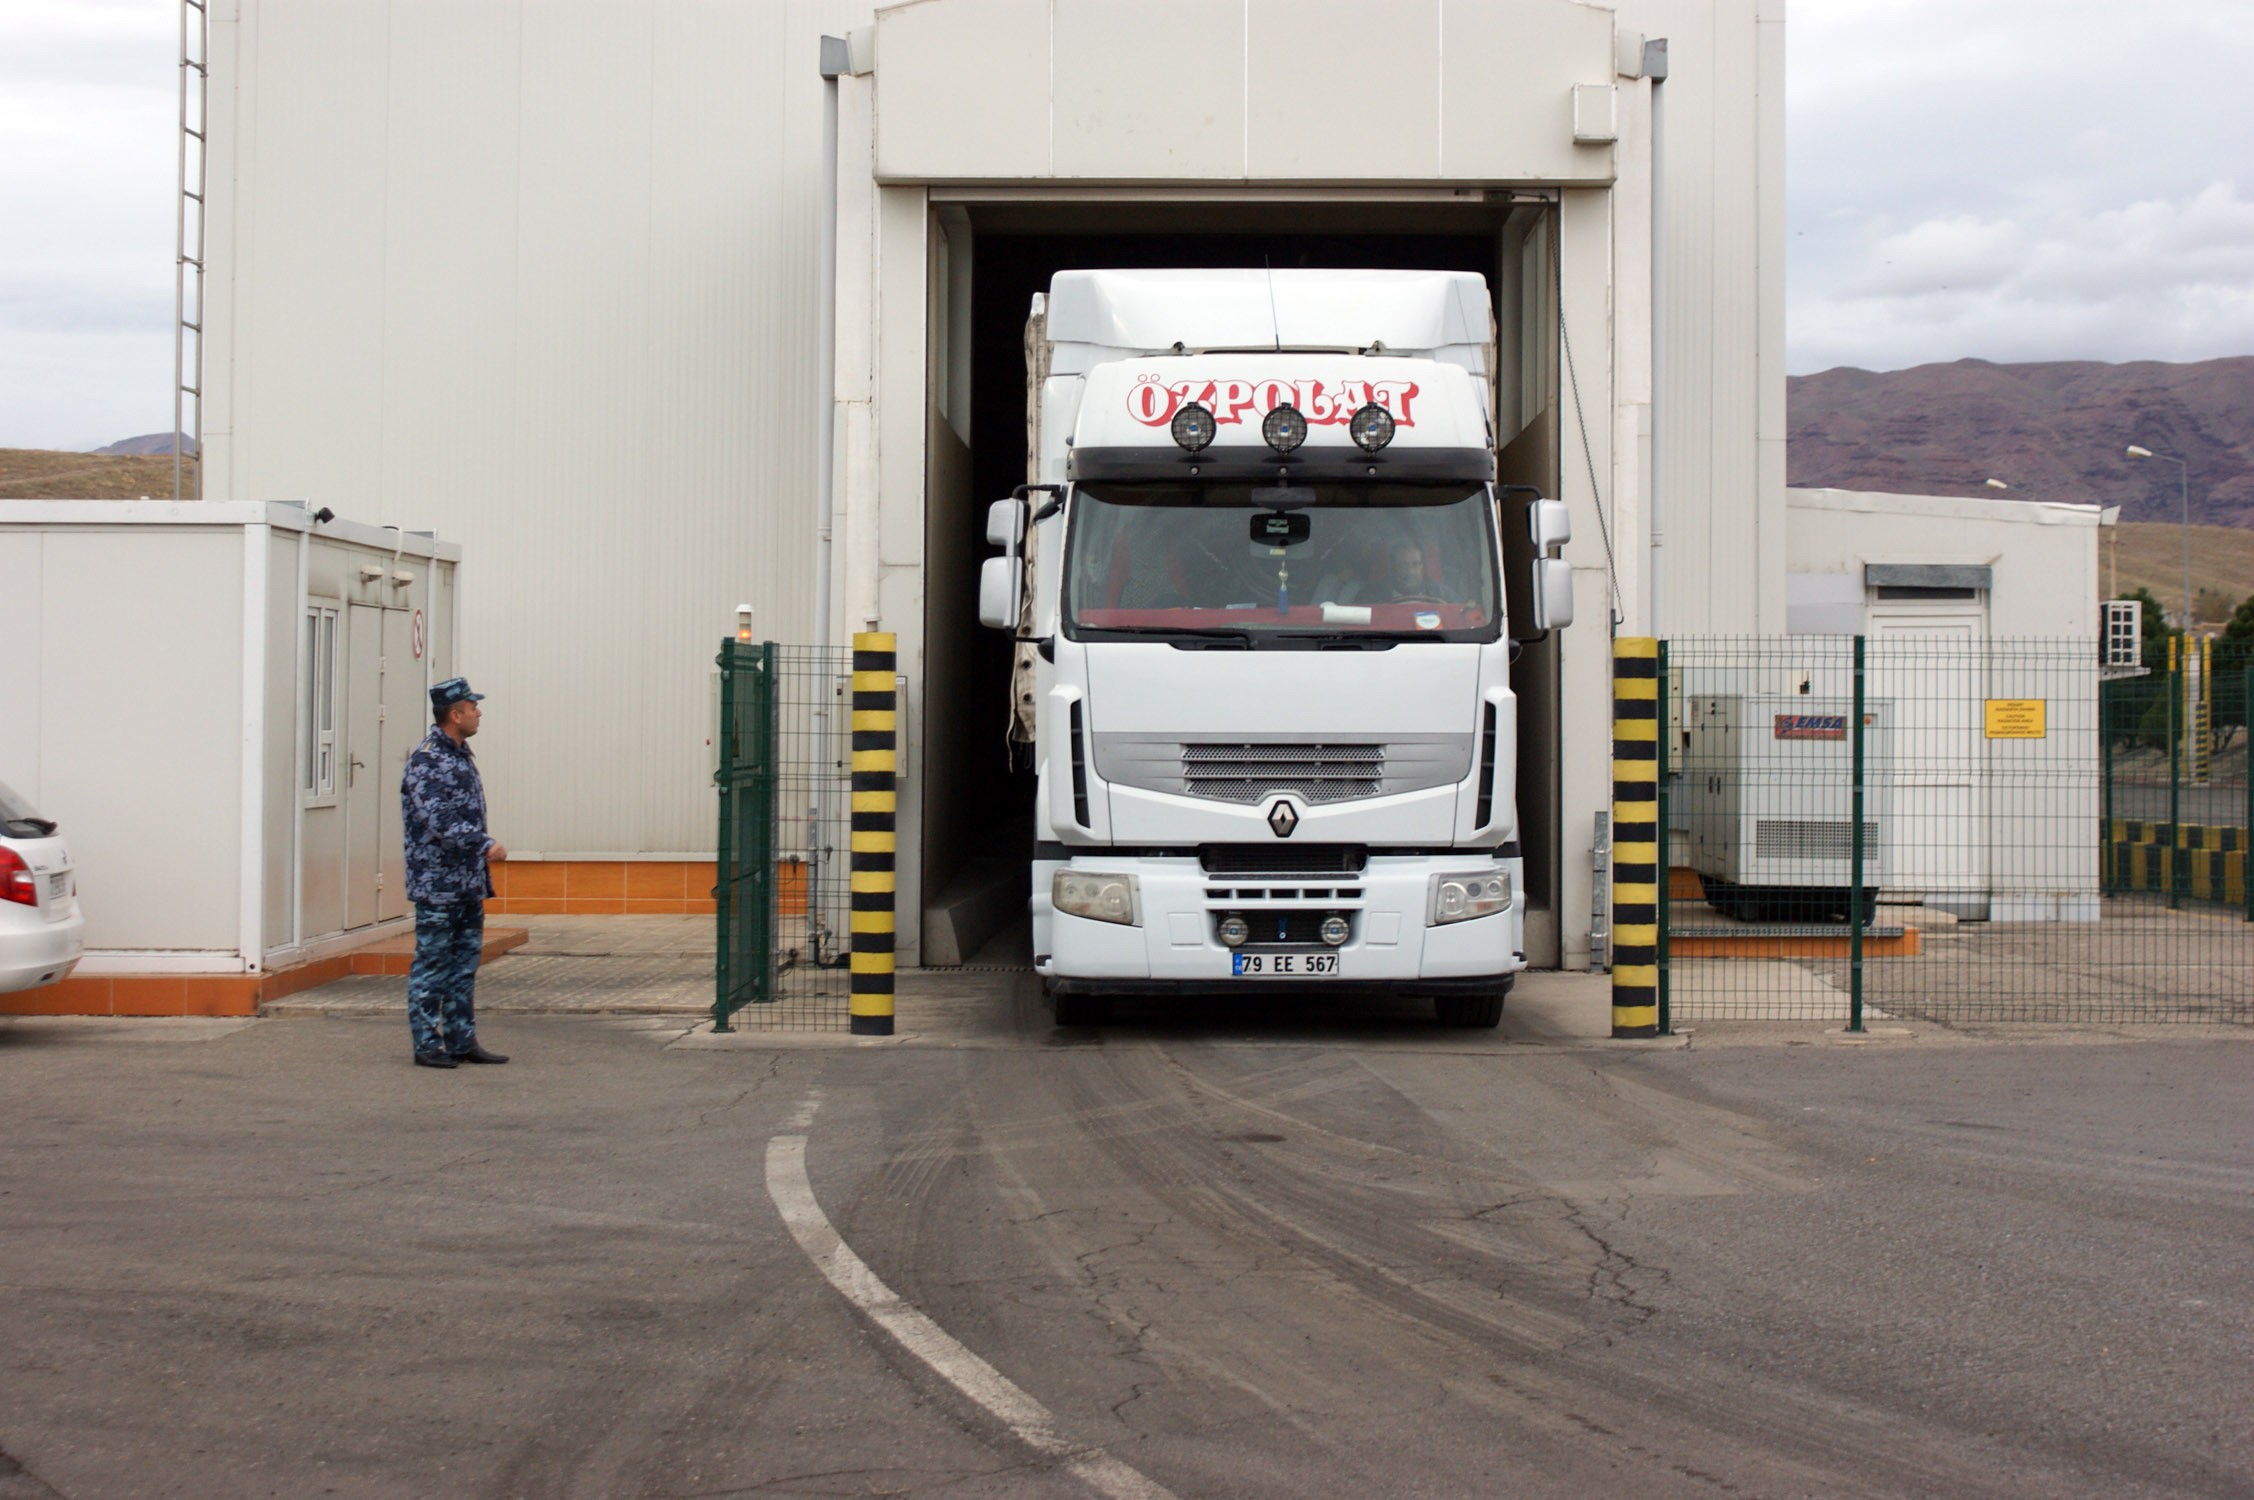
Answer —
1153 400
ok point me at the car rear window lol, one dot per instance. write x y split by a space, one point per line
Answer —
17 820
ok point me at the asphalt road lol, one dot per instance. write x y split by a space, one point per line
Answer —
273 1259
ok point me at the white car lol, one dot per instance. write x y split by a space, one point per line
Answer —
42 931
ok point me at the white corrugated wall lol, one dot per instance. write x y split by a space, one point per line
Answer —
539 277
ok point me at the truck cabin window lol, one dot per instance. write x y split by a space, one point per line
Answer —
1390 561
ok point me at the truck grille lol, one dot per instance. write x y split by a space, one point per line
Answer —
1317 773
1283 859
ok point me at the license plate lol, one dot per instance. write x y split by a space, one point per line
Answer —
1283 965
58 886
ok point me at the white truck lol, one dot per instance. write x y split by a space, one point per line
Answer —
1263 662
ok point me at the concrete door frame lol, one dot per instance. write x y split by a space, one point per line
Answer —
885 396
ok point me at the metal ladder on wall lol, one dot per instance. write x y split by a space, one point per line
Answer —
188 245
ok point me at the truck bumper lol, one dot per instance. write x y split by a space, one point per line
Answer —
1391 947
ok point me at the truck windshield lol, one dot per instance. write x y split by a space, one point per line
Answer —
1377 562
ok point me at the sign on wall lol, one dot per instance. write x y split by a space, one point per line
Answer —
2015 718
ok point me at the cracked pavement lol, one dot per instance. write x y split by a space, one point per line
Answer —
1252 1259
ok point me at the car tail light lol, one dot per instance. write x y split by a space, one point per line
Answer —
16 880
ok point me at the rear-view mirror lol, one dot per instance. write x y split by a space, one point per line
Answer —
1005 524
1553 593
1277 528
998 597
1550 523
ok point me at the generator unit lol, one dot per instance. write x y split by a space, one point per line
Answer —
1767 798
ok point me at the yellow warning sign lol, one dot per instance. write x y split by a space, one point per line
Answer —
2015 719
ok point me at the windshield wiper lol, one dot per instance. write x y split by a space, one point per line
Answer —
1345 640
1206 638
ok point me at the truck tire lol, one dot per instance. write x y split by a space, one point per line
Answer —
1082 1010
1469 1011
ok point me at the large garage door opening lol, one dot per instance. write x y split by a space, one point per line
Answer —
987 262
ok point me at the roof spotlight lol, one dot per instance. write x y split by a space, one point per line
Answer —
1371 427
1193 427
1284 428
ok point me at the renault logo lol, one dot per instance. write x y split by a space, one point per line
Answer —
1283 818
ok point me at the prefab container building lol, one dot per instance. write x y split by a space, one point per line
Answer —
215 702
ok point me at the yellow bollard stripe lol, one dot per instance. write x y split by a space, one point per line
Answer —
876 802
874 682
870 921
871 882
1635 976
870 963
1635 688
876 760
871 841
875 720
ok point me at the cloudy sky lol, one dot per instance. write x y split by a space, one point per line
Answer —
2010 179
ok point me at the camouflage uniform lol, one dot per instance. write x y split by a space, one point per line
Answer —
442 802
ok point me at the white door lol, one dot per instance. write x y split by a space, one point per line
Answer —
406 717
1928 664
363 789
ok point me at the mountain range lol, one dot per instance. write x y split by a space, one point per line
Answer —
2049 431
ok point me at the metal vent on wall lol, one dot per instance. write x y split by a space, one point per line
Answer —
1807 838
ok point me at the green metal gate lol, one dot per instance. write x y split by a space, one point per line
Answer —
781 888
744 891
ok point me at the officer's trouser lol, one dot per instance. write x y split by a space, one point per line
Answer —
440 1015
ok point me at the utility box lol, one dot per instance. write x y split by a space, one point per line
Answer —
1767 796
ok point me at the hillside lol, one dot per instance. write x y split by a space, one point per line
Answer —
48 474
2050 431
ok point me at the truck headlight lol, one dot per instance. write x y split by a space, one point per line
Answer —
1234 930
1099 898
1474 893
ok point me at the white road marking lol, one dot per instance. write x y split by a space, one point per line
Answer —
1028 1419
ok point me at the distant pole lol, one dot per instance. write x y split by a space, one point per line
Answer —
2183 495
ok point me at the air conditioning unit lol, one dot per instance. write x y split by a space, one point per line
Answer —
1767 797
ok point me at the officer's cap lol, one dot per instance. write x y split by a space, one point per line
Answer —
450 692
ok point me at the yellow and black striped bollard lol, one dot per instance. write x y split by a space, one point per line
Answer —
1636 875
875 832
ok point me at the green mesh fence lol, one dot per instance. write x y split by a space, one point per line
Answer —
785 798
1926 825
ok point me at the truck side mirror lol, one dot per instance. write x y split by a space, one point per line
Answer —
998 597
1550 524
1005 525
1553 591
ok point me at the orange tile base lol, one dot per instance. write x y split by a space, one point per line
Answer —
601 888
1755 945
224 994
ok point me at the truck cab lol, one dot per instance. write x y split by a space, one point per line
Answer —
1258 587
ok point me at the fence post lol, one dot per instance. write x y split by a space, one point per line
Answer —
1855 855
2175 770
2246 838
2108 711
723 888
1637 876
874 840
1665 862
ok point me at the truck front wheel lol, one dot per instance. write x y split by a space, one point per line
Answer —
1472 1010
1081 1010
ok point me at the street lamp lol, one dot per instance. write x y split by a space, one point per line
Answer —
2183 487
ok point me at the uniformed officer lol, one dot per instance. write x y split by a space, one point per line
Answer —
442 802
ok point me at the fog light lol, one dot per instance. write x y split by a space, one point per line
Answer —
1193 427
1234 931
1334 929
1371 427
1099 898
1475 893
1284 429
